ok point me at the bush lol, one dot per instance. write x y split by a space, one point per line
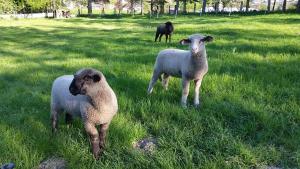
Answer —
6 6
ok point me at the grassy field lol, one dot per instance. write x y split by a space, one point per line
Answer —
250 114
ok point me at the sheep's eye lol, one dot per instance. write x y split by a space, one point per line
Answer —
87 78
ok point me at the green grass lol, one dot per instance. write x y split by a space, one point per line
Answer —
250 114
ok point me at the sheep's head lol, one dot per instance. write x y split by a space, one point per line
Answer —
169 27
196 42
85 82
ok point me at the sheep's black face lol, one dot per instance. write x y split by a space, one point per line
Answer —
169 27
84 82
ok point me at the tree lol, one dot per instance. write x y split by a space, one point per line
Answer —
20 5
195 5
269 6
184 6
176 7
102 5
89 6
37 4
6 6
274 5
298 6
79 4
158 6
131 5
247 5
226 3
284 6
142 7
119 6
203 6
241 6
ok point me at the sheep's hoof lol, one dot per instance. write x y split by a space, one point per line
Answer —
97 157
96 150
54 130
149 92
197 105
183 105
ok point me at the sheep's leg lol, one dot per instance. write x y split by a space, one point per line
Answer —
166 38
156 36
160 37
165 81
185 91
155 77
197 89
54 119
94 138
170 38
68 118
102 135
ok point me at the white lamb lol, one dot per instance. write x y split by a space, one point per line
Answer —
186 64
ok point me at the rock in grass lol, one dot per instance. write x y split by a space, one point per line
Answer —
147 145
8 166
272 167
53 163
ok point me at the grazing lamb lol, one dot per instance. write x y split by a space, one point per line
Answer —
87 95
187 64
164 29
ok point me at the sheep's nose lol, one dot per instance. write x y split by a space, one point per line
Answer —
194 49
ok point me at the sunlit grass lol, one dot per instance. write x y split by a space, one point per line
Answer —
250 114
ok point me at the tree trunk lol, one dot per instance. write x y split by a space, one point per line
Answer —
241 7
269 6
284 6
274 5
151 7
203 6
90 10
176 7
102 11
247 5
162 8
46 12
195 5
298 6
132 8
184 7
141 7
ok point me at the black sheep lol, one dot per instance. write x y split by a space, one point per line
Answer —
164 29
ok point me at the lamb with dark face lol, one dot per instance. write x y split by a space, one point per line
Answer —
87 95
164 29
84 82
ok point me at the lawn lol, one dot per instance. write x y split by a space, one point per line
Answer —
250 113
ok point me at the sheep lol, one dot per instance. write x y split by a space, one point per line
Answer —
167 29
87 95
186 64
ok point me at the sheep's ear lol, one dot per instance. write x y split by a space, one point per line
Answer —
207 39
96 78
185 42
